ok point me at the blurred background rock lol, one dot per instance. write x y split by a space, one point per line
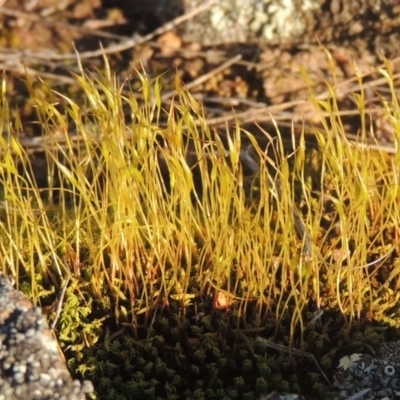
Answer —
363 24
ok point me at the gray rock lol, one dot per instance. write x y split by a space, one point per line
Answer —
240 21
358 372
31 366
367 25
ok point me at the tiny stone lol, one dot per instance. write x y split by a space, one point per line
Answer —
19 377
44 379
87 387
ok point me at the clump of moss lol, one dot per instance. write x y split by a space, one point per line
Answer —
177 260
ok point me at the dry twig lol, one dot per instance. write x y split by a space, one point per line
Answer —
205 77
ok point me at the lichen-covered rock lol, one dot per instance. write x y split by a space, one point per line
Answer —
31 367
239 21
368 25
358 372
363 377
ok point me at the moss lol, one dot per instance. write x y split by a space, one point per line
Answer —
177 259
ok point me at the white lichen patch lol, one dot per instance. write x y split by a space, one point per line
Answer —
269 19
347 362
285 18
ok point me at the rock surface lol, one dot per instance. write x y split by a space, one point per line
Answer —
31 366
349 23
379 374
363 377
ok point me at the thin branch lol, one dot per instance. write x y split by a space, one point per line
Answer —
205 77
44 21
127 44
294 351
59 305
20 69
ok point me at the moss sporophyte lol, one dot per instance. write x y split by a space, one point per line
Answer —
184 244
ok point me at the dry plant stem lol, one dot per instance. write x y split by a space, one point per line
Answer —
205 77
16 61
234 101
264 114
359 395
291 350
38 143
60 303
129 43
22 69
45 21
188 53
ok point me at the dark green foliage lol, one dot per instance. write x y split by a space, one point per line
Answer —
202 355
